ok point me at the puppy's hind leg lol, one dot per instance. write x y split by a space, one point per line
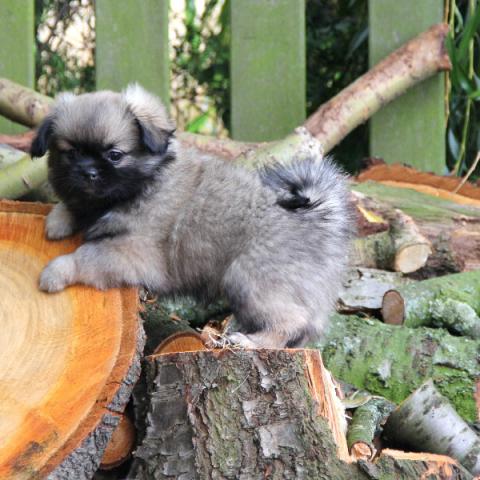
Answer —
266 316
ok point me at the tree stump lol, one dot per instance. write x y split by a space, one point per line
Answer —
241 414
68 361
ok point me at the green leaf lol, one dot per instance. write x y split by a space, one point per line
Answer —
195 125
471 27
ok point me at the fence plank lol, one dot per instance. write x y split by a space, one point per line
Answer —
17 48
132 45
412 129
267 68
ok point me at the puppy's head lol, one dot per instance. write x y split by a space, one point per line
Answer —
105 145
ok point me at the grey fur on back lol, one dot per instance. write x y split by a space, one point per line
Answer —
275 243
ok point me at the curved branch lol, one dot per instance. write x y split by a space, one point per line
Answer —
417 60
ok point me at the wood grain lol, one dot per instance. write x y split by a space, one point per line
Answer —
62 356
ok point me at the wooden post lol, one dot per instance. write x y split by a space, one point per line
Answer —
17 42
412 128
267 68
132 45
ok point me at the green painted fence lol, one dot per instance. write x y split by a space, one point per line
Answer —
267 66
412 128
17 41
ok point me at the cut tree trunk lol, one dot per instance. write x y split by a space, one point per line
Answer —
427 421
392 362
241 414
453 229
68 361
451 302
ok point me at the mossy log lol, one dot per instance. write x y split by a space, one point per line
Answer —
453 229
426 421
393 361
364 288
365 425
451 302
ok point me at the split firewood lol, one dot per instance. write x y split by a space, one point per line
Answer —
365 426
451 302
452 229
402 249
427 421
364 288
241 413
68 361
120 446
392 362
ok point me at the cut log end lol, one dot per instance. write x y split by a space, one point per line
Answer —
393 308
120 446
411 258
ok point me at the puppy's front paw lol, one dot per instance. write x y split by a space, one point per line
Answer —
59 223
58 274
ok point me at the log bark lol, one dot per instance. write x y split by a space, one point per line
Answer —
426 421
451 302
453 229
68 361
365 426
120 446
415 61
364 289
241 414
20 177
392 362
402 248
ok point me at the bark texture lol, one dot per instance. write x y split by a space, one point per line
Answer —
426 421
236 414
451 302
392 362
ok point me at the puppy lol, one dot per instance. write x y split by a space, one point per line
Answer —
274 243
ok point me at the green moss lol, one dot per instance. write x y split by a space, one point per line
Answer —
393 361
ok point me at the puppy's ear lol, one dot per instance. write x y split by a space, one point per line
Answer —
151 116
42 139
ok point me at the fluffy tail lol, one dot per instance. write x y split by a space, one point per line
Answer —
310 185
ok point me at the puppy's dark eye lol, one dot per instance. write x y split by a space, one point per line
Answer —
114 156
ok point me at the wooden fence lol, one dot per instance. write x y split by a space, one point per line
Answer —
267 66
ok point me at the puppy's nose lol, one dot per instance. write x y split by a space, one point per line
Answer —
90 173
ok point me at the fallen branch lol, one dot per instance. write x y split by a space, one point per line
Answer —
451 302
366 422
19 178
426 421
412 63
